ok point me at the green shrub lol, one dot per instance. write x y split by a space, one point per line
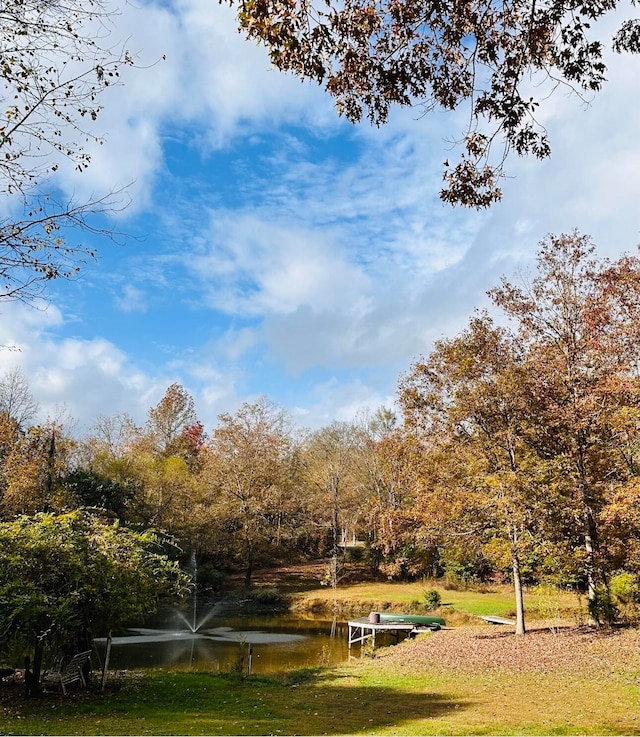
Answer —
624 588
432 599
210 577
265 600
356 554
602 608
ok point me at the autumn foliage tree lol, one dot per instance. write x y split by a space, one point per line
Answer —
466 406
388 463
579 320
33 463
156 461
249 472
333 476
172 424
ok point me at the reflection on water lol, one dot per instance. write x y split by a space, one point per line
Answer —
276 644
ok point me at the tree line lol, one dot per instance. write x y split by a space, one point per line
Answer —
515 458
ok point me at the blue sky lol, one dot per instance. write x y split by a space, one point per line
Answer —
271 248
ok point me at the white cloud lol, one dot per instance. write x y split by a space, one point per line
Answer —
345 266
338 400
89 377
253 265
132 299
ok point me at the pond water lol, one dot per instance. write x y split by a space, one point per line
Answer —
274 643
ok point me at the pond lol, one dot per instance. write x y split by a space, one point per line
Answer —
274 643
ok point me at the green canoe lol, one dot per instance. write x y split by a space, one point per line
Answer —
411 619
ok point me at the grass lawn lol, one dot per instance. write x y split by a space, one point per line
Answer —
465 681
540 602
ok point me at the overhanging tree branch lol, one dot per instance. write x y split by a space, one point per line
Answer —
34 249
55 60
371 55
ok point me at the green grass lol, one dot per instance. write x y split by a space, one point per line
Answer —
493 600
364 698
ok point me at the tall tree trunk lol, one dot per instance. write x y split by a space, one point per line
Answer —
38 653
590 545
249 572
48 481
517 585
590 532
517 580
248 541
335 549
590 568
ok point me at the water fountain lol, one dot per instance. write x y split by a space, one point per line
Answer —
195 624
200 636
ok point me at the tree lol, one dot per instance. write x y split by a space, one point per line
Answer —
32 464
620 520
481 56
165 493
387 462
65 578
171 423
466 401
16 399
112 436
106 472
393 471
536 427
55 63
249 470
162 459
336 482
54 66
34 248
579 320
145 474
87 488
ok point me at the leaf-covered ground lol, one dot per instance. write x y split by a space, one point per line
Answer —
561 680
592 653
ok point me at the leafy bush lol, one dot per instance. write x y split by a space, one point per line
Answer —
466 570
602 608
432 599
624 588
62 576
210 577
357 554
265 600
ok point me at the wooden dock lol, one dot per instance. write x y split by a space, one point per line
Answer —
499 620
361 630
